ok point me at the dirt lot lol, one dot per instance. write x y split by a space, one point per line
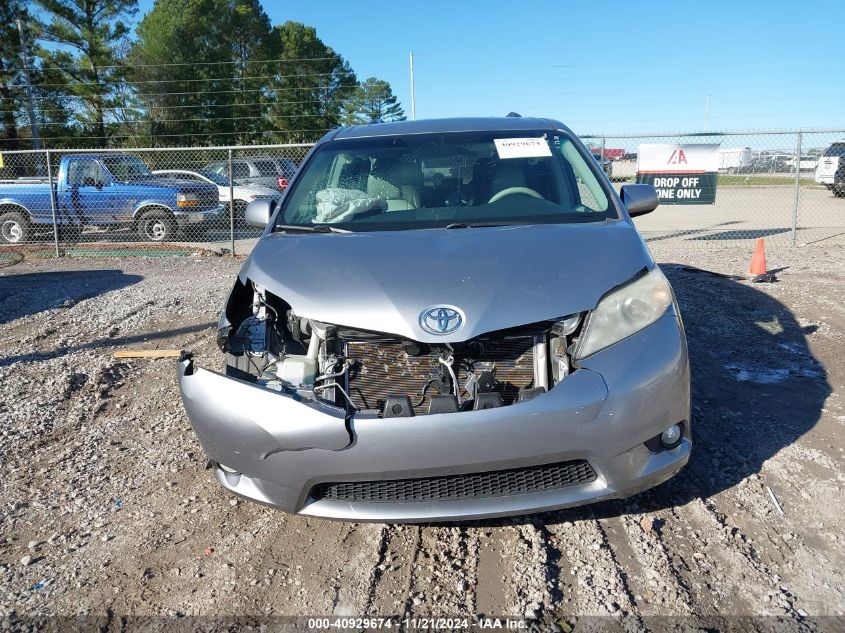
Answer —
756 211
107 510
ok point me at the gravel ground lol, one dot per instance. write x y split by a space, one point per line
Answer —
107 510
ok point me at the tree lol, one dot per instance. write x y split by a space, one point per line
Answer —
89 33
198 70
12 97
372 102
310 85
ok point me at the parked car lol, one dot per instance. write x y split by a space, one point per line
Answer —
405 344
243 194
768 164
270 172
106 190
830 171
805 163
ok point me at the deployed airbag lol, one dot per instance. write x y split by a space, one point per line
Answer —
337 205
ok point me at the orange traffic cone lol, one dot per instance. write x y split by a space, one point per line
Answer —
758 262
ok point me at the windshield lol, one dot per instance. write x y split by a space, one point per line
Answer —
126 168
436 180
837 149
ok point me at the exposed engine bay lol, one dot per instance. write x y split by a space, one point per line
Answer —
371 373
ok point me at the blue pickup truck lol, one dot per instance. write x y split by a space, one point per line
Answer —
107 190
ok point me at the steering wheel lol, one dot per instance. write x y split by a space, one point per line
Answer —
510 191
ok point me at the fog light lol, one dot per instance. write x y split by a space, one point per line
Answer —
672 436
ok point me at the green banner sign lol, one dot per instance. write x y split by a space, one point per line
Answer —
681 173
677 188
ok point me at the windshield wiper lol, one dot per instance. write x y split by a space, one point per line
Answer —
310 228
474 225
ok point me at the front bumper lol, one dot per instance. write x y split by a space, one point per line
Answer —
280 448
213 215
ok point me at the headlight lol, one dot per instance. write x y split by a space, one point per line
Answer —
625 311
186 200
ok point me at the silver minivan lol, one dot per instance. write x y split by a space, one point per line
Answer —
444 320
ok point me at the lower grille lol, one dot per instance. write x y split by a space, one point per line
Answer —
383 369
499 483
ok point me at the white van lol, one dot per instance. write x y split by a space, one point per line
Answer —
830 170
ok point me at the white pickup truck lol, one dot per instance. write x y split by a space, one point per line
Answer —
830 170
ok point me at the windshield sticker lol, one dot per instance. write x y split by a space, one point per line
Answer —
522 147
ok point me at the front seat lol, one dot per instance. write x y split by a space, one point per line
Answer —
509 173
354 174
399 183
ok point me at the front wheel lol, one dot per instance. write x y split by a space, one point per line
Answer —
240 213
15 228
70 232
157 226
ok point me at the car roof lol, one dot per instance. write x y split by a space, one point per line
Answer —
455 124
95 156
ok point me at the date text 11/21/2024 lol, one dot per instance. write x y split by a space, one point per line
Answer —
418 623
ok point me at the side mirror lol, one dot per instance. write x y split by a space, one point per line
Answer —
258 212
639 199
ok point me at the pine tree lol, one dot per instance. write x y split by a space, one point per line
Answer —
215 93
310 86
372 102
89 33
11 95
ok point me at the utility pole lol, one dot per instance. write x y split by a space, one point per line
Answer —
413 101
707 115
36 140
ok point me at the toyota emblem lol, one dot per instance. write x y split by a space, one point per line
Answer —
441 320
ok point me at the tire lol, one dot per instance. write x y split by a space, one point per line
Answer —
240 213
70 232
839 191
157 226
15 228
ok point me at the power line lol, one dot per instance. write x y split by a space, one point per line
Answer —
169 64
168 81
210 92
263 132
215 119
194 105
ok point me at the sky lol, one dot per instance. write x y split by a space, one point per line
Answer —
601 66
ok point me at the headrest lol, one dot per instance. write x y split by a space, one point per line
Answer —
509 173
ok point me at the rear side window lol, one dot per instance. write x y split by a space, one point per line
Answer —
837 149
288 167
266 167
86 173
239 170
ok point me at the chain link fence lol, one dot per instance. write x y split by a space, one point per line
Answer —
786 186
149 201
